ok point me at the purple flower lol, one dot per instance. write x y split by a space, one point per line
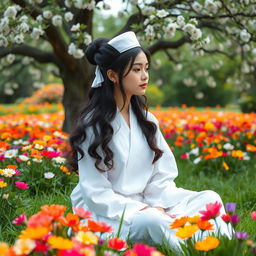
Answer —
241 235
234 219
230 207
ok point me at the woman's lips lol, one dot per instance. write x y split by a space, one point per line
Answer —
143 86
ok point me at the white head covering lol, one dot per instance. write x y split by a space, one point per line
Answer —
121 43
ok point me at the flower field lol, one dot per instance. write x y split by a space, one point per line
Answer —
215 149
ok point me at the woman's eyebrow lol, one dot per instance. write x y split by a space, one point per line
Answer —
141 64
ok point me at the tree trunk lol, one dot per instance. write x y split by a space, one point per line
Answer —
76 86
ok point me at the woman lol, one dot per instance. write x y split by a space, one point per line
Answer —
123 160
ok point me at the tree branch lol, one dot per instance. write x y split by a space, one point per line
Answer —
163 45
25 50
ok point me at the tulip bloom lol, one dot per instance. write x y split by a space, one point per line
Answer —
212 211
21 185
241 235
230 207
253 215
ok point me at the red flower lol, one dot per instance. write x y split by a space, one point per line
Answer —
98 226
226 217
143 250
212 211
19 220
21 185
253 215
117 244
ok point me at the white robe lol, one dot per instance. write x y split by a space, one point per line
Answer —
134 182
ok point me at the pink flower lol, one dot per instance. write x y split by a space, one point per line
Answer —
212 211
19 220
21 185
184 156
253 215
81 212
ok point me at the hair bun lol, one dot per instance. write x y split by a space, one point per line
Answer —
93 48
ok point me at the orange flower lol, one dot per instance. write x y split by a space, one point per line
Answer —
250 148
179 222
207 244
60 243
71 220
187 231
205 225
34 233
97 226
54 210
14 167
194 219
4 249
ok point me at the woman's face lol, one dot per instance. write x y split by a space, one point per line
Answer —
135 82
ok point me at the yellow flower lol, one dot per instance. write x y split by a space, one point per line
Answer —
225 166
34 233
87 237
61 243
24 246
3 184
187 231
4 249
207 244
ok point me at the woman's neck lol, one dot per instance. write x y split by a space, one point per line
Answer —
120 101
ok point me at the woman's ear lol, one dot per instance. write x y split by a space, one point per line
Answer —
112 75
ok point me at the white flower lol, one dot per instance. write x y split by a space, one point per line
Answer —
106 6
39 18
245 36
193 21
170 29
90 6
228 146
211 6
19 39
37 160
197 7
196 34
11 11
87 39
23 158
39 1
47 14
68 3
4 26
246 47
178 67
189 28
57 20
199 95
49 175
26 60
8 172
161 13
10 58
180 21
8 91
36 33
24 246
211 82
23 27
197 160
148 10
76 53
194 151
189 82
3 41
11 153
23 18
68 16
206 40
75 27
59 160
254 52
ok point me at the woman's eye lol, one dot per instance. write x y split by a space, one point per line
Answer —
136 70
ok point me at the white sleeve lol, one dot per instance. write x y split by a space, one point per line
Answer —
161 189
97 191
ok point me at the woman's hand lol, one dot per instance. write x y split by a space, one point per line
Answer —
161 209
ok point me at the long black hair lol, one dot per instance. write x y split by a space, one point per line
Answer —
101 107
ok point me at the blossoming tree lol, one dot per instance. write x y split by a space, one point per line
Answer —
207 26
